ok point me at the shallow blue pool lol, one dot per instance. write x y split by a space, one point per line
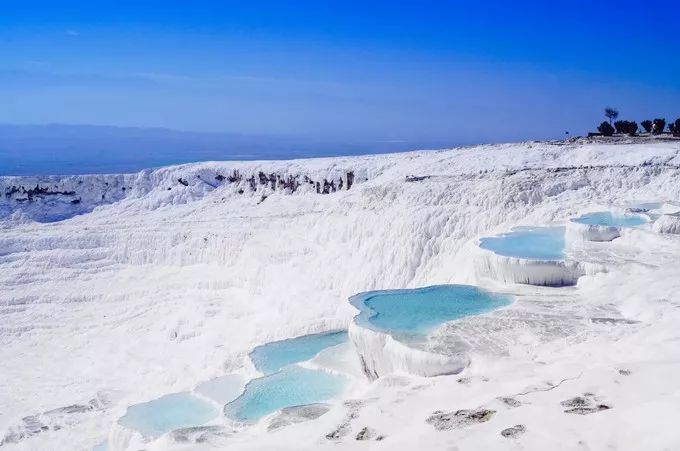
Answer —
178 410
286 384
537 243
271 357
291 386
419 310
606 218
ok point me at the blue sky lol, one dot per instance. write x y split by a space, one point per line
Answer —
414 72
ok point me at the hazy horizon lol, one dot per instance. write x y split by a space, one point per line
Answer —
54 149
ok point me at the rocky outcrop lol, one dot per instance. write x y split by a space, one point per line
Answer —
514 431
584 405
444 421
297 414
54 198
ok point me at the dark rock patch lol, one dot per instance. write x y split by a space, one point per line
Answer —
339 432
365 433
38 191
443 421
417 178
588 410
297 414
510 402
613 321
583 405
577 401
199 434
514 431
350 179
344 428
468 380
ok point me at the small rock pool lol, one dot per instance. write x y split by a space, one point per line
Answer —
285 382
271 357
607 218
170 412
417 311
291 386
534 243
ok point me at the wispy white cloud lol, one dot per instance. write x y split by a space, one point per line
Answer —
163 77
282 81
71 32
41 78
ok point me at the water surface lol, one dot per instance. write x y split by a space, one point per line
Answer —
285 383
291 386
178 410
536 243
606 218
417 311
271 357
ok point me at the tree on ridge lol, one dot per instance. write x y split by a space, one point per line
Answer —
611 114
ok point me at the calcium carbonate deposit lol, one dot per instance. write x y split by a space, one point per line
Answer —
130 304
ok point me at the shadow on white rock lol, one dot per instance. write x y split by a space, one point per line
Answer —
669 223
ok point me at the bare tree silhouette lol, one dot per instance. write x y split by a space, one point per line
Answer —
611 114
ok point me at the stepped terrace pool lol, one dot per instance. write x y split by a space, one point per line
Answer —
534 243
285 382
170 412
416 311
607 218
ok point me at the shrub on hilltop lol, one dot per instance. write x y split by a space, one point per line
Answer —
647 125
674 127
626 127
606 129
658 126
619 126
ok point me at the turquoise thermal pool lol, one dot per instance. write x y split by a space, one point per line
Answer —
606 218
416 311
535 243
285 383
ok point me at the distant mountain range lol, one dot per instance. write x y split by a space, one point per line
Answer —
81 149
